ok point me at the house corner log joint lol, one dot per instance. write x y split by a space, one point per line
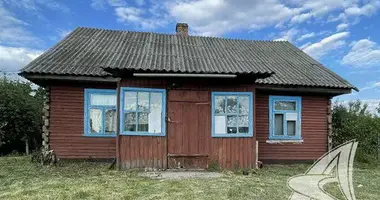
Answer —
48 156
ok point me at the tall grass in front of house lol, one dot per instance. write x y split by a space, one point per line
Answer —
21 179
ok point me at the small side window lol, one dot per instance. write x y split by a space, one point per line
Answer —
285 117
100 113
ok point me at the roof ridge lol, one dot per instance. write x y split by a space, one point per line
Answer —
173 34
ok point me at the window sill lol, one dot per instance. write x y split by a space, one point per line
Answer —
232 135
143 134
99 135
279 141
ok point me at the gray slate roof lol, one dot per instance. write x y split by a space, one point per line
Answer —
90 52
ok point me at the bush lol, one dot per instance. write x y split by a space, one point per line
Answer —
354 121
21 115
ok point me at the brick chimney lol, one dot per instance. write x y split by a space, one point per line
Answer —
182 29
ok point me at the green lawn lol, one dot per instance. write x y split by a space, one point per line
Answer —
21 179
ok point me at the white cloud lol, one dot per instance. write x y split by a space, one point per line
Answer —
318 9
342 27
314 9
367 10
12 59
302 47
132 15
64 33
363 53
216 17
288 35
12 30
306 36
371 85
301 18
340 17
128 14
319 49
101 4
117 3
149 17
36 5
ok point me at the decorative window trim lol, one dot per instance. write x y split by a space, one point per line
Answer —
250 114
87 107
272 112
163 106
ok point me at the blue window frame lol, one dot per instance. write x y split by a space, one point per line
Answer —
232 114
285 117
100 113
143 111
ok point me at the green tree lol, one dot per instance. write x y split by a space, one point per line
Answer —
21 115
354 121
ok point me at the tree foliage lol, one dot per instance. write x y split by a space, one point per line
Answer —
354 121
21 115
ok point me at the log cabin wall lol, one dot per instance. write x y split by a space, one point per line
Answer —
314 130
67 126
152 152
67 140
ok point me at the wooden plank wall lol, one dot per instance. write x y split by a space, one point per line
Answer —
151 152
66 126
67 140
313 131
226 152
143 151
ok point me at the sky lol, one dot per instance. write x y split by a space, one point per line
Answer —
341 34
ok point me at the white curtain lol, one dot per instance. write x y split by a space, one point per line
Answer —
155 114
95 120
110 121
103 100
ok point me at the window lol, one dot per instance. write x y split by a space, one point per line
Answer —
143 111
100 113
285 117
232 114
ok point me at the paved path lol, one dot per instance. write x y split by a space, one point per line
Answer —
180 174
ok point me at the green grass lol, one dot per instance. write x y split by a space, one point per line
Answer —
21 179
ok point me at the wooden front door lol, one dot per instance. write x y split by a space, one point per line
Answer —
188 129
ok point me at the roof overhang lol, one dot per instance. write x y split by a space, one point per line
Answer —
42 79
185 75
302 89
